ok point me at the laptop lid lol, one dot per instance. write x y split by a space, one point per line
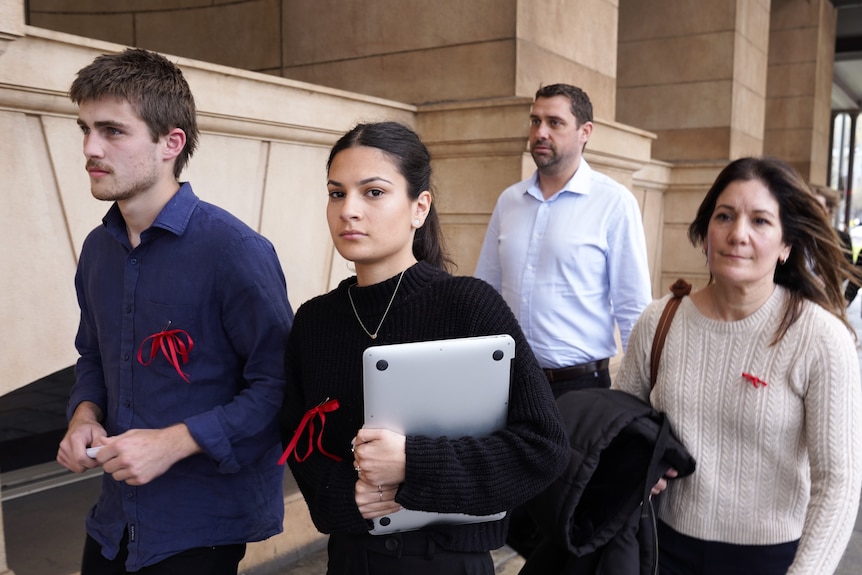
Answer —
454 388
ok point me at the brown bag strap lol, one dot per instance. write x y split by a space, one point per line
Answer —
680 289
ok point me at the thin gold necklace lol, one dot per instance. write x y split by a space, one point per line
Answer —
392 299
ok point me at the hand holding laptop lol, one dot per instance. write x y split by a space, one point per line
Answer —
380 463
453 388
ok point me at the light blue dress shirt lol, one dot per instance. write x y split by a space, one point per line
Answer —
569 266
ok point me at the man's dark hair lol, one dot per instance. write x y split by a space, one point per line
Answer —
582 108
152 85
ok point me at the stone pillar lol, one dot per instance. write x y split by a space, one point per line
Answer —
450 50
472 69
11 28
799 91
11 23
694 73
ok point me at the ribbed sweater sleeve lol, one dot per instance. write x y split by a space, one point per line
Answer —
470 475
775 462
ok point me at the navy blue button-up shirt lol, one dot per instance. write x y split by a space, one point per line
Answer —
200 270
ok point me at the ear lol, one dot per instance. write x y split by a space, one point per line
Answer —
421 207
785 253
585 130
175 141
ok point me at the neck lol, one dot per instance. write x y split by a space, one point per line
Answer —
732 303
140 211
552 181
370 274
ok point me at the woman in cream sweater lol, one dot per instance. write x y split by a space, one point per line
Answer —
760 380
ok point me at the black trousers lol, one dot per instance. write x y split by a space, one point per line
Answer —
410 553
600 378
683 555
221 560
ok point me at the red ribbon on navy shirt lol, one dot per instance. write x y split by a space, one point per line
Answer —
320 410
172 346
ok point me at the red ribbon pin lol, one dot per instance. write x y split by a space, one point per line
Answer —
755 381
320 410
172 346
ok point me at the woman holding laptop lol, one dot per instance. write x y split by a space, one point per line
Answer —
382 219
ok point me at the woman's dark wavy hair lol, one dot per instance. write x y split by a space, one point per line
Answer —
817 265
154 87
413 161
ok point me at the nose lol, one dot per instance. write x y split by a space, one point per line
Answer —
739 231
350 207
540 131
92 146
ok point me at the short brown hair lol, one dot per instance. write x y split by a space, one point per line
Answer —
152 85
582 108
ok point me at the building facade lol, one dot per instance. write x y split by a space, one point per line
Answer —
679 88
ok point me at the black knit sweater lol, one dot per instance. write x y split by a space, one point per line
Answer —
479 476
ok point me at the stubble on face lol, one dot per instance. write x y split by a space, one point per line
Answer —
547 157
113 188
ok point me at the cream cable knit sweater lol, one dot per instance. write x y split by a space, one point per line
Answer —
775 462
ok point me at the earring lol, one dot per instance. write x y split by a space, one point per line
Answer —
782 261
416 223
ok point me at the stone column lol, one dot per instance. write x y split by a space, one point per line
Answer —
11 22
799 90
694 73
472 69
11 28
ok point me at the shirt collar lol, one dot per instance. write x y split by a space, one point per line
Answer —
578 184
174 217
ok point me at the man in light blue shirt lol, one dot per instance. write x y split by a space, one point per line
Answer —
566 248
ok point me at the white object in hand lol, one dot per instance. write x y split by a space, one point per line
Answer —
92 451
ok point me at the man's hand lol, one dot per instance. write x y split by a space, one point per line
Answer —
140 455
85 430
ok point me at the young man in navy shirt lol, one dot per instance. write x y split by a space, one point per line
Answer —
184 318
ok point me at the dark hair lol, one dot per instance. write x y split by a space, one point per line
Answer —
817 265
582 108
152 85
413 161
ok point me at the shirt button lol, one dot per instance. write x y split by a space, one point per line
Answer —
391 543
129 495
128 308
127 403
126 357
134 261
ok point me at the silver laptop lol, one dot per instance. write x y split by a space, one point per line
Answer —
453 387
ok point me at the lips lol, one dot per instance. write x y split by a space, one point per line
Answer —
538 146
351 234
96 170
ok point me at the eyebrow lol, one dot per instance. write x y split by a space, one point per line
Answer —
103 123
733 209
361 182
